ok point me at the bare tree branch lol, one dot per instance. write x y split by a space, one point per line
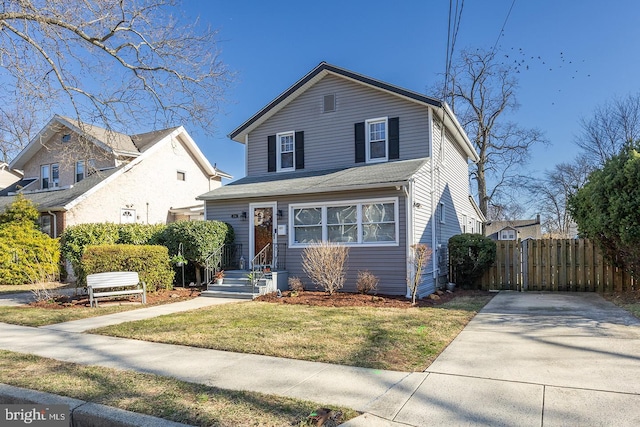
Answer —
482 94
112 63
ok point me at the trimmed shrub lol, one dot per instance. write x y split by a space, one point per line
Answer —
295 284
199 239
76 238
151 262
470 256
27 255
325 264
367 282
140 234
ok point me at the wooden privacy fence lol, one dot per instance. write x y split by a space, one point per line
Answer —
554 265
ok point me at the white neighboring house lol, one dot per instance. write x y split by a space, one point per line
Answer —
8 176
78 173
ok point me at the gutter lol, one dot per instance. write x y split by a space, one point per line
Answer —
310 190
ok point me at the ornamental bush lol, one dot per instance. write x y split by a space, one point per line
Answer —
470 255
21 210
199 239
151 262
27 255
75 239
607 209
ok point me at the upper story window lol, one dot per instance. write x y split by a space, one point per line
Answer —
377 145
286 146
181 175
285 151
85 169
377 140
508 234
49 176
464 223
79 170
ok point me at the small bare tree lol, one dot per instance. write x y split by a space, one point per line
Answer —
420 256
325 264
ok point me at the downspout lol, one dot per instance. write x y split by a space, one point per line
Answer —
55 223
408 193
246 155
433 212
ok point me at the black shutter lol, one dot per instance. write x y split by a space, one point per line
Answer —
360 142
394 138
271 153
299 139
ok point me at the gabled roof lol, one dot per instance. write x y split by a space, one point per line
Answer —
65 198
60 199
375 175
323 69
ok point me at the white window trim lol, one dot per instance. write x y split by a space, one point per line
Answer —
442 213
279 167
324 205
84 170
368 140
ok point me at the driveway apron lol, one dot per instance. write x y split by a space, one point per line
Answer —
536 359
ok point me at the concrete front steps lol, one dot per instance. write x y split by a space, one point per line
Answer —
236 284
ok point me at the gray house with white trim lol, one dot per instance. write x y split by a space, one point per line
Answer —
345 158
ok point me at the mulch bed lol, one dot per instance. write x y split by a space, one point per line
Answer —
347 299
81 301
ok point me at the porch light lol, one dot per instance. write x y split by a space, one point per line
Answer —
279 213
243 216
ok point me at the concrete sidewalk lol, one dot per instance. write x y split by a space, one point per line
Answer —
527 359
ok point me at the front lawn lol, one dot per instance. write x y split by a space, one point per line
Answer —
168 398
77 307
403 339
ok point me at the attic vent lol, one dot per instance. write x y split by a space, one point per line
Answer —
329 103
66 137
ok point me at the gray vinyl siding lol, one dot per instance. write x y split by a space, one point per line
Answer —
329 137
422 217
388 263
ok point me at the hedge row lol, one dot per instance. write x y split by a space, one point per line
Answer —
151 262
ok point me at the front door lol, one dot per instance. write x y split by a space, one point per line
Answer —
263 233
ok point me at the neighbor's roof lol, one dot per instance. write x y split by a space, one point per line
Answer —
58 199
323 69
495 226
305 182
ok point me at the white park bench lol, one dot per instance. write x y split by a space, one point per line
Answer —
115 283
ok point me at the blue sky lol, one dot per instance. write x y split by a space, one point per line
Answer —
588 54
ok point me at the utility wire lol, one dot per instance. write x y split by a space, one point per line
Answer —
504 24
452 34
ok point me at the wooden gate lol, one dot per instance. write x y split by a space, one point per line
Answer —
554 265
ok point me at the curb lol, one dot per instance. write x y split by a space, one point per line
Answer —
84 413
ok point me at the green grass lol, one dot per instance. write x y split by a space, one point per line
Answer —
629 301
380 338
154 395
36 316
13 289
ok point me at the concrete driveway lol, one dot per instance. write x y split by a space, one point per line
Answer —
536 359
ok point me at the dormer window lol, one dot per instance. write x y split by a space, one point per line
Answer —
377 144
79 170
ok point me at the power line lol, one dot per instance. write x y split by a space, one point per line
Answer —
504 24
452 35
